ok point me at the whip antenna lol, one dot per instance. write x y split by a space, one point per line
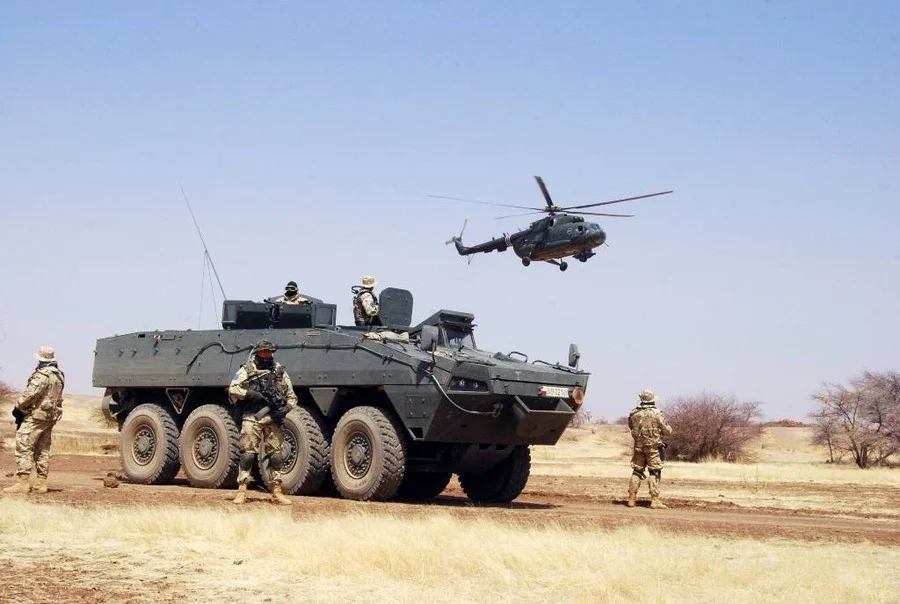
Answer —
205 249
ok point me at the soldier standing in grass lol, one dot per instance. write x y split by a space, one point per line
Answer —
37 410
647 426
262 384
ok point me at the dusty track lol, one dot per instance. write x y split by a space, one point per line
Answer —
574 502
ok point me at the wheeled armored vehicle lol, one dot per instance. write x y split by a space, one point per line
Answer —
385 412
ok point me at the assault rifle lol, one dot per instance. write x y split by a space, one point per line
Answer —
276 405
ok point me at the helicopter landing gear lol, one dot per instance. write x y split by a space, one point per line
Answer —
583 257
526 261
562 265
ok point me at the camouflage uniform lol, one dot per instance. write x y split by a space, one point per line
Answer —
291 295
365 304
40 406
265 431
647 426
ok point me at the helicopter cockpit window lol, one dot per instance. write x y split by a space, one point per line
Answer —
457 338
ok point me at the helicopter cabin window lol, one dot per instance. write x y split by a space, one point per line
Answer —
458 338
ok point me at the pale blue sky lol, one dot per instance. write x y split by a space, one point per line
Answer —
308 137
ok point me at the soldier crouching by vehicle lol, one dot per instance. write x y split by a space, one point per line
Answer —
647 426
36 412
267 394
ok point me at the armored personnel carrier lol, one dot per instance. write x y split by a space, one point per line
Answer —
381 416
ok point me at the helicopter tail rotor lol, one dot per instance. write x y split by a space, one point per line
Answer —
458 237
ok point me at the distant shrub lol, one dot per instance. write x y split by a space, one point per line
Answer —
581 419
784 423
6 395
711 426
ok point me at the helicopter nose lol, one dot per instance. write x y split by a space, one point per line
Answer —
598 237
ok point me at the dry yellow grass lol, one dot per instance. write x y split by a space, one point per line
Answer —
240 555
82 430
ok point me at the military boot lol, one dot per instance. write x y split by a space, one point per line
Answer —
633 487
241 496
40 485
657 504
20 487
277 496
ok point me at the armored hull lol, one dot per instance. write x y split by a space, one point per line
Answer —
378 415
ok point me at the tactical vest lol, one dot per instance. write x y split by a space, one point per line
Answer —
359 313
49 408
644 422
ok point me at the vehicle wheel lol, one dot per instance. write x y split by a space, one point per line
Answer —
420 486
149 445
563 266
210 448
306 454
368 454
526 261
502 483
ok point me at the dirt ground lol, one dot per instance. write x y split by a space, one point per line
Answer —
569 501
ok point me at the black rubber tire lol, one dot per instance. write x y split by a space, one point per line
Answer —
422 486
502 483
383 458
305 470
149 445
210 424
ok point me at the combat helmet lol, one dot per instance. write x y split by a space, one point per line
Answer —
368 282
264 345
291 288
647 396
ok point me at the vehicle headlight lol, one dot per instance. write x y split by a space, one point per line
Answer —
467 385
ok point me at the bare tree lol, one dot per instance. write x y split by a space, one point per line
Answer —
862 420
711 426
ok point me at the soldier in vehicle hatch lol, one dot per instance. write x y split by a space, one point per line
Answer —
365 303
268 395
647 426
37 410
291 295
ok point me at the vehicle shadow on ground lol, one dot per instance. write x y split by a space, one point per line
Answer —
450 501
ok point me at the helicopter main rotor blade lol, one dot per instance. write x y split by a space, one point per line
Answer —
517 215
485 203
606 203
602 214
543 188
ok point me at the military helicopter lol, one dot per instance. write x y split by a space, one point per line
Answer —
562 234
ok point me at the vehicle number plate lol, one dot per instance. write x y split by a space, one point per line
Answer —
554 391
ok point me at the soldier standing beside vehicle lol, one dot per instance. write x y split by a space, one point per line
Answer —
647 426
37 410
291 295
365 304
268 395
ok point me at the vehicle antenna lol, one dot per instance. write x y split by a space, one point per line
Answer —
205 249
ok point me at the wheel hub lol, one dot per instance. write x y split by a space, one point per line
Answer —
144 446
359 455
206 449
289 450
